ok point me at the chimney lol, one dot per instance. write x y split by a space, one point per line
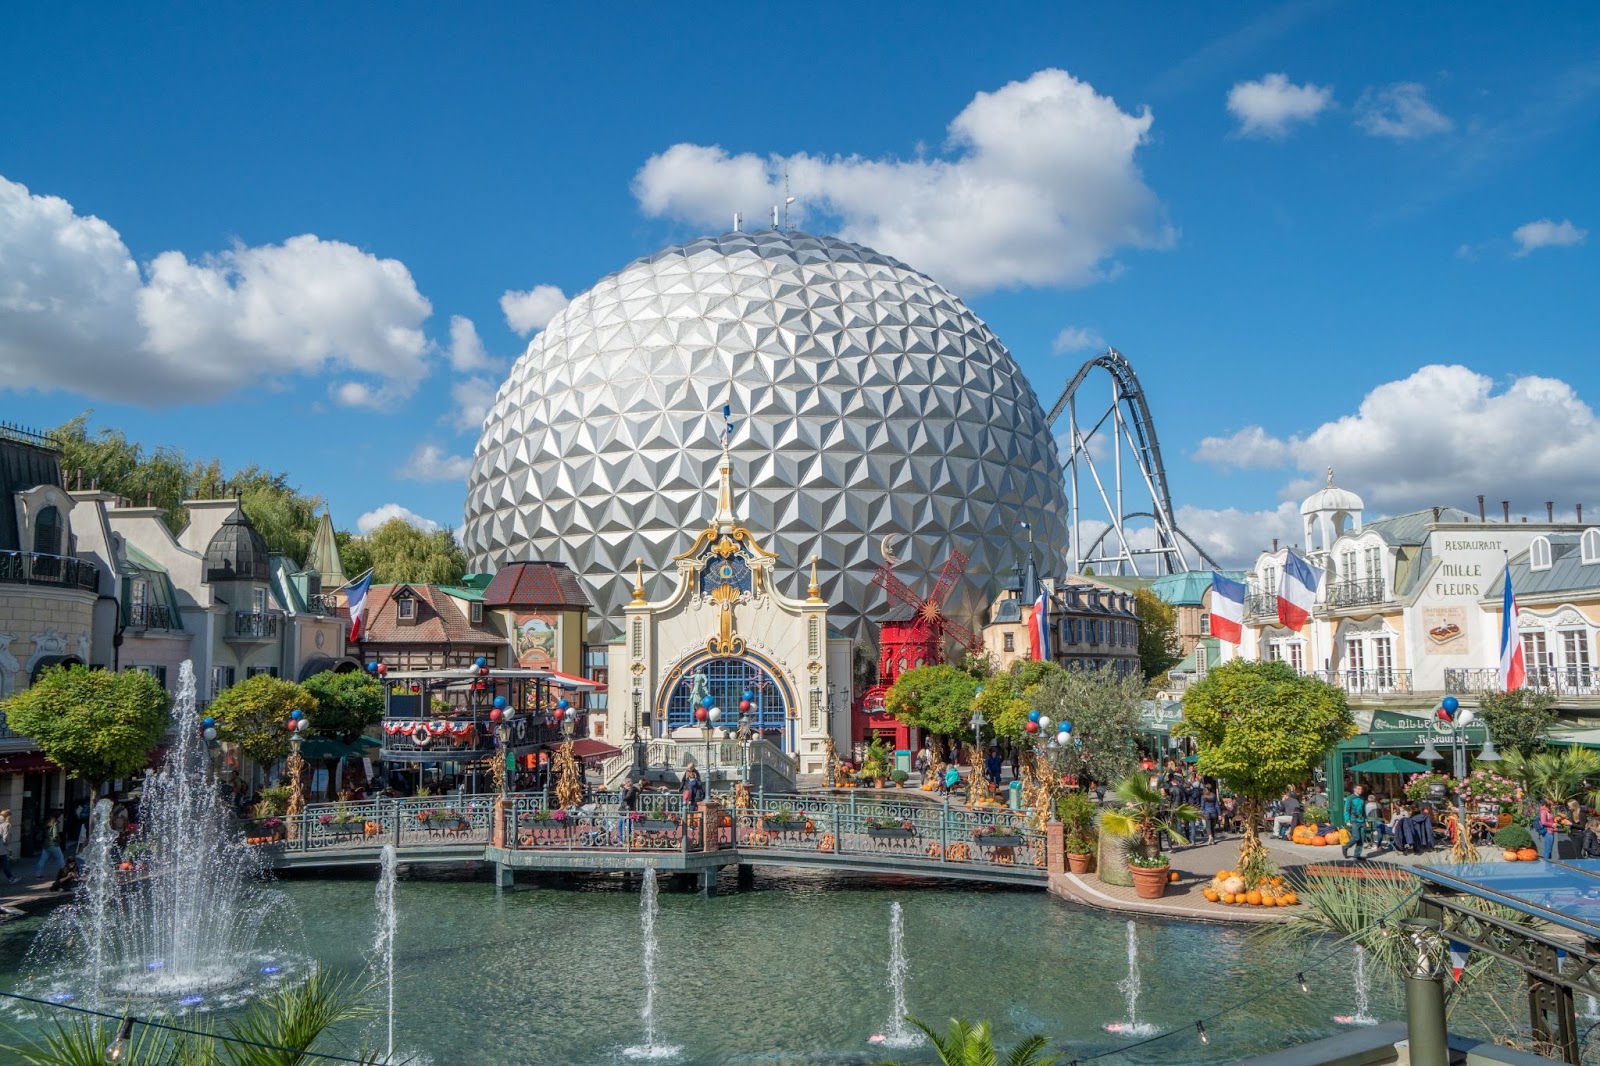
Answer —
1482 517
1274 543
1436 514
1549 511
1580 514
1505 510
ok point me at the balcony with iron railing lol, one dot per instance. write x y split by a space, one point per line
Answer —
1259 604
1368 682
57 571
251 625
1555 680
1357 593
151 616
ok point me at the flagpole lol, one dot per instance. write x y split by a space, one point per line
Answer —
355 579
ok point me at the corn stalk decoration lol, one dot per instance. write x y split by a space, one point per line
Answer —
978 790
1039 787
831 768
569 784
295 767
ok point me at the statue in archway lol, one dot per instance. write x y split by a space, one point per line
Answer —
699 688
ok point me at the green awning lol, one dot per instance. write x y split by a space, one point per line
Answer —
1191 758
1388 764
323 748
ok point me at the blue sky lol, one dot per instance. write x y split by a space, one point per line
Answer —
1323 234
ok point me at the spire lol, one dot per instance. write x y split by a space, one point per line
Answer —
1030 574
725 517
638 581
814 592
324 554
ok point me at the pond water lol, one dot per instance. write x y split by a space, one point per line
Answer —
795 970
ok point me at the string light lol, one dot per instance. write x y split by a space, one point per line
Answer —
1301 977
1200 1029
119 1046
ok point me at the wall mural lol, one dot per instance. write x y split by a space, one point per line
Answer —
536 637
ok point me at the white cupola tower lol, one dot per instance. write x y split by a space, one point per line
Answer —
1328 514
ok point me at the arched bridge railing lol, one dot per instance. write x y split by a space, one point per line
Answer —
821 830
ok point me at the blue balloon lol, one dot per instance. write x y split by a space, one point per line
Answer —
372 668
750 696
297 714
563 704
1450 703
500 702
1033 716
1065 726
708 703
209 722
482 662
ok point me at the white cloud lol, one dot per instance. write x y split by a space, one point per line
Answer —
76 311
471 399
1233 537
1267 108
1400 112
466 350
1073 339
1443 435
531 310
390 511
1037 185
430 463
1249 448
1532 236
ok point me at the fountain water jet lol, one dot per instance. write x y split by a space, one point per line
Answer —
897 1034
648 909
189 921
388 921
1130 991
1363 1014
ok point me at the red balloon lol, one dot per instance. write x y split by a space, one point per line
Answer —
699 714
415 687
560 714
382 669
744 705
495 715
1444 715
1032 727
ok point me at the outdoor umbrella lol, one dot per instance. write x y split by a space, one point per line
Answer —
1388 764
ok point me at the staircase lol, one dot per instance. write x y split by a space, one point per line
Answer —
719 762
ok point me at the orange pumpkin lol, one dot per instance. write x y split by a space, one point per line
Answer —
1510 855
1227 897
1253 897
1291 899
1318 841
1172 876
1527 854
1211 894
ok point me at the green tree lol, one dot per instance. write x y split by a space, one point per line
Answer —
973 1045
1008 697
1518 721
346 703
285 517
353 552
399 551
935 698
1104 712
93 723
1159 646
1556 775
254 714
1261 728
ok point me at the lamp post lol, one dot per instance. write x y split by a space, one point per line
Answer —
638 740
1464 849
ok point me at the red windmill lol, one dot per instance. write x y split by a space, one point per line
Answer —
908 642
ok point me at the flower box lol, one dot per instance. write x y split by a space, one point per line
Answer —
999 840
655 825
788 825
881 833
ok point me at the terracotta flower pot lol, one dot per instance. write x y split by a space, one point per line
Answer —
1078 863
1149 882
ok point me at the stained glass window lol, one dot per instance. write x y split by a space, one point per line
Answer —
734 570
727 680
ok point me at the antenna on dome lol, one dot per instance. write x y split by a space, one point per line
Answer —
738 222
787 199
775 216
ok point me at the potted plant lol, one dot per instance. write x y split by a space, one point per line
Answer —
899 778
890 828
875 764
1515 843
1139 820
997 836
655 820
1077 812
785 820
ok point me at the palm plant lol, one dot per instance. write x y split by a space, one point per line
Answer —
290 1021
966 1044
1556 776
1140 816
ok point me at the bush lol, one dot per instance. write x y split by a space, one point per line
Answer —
1313 814
1513 838
899 777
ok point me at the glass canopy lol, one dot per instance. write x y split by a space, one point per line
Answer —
1561 893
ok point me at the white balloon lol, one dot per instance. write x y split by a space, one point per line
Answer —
1468 716
1064 737
714 713
210 733
1044 721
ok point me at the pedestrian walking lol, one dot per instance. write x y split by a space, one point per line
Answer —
629 799
52 845
5 846
991 767
1016 762
694 791
1210 811
1355 819
1547 829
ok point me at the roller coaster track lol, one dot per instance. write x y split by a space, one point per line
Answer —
1125 425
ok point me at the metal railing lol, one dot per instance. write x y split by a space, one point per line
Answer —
1258 604
1557 680
60 571
150 616
319 604
1367 682
446 738
254 625
711 757
6 732
919 833
1355 593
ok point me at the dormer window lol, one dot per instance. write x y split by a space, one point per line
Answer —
1539 554
258 601
1589 551
477 613
47 531
313 585
406 608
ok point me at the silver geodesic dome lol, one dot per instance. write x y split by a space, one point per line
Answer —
867 401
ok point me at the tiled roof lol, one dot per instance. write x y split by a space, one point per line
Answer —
535 584
1412 527
438 621
1566 573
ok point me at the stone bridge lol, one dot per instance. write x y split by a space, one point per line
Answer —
912 837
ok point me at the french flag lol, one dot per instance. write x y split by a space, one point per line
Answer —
1227 608
1297 591
1513 672
1039 628
356 596
1459 953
